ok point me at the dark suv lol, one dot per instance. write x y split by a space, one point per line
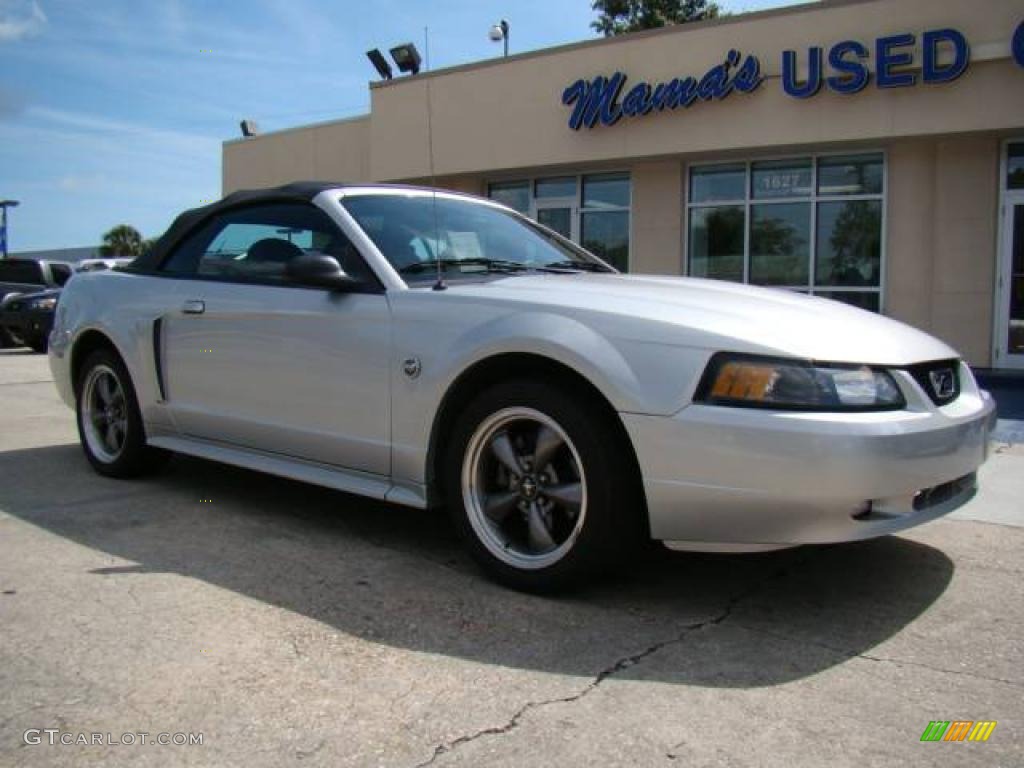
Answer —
24 284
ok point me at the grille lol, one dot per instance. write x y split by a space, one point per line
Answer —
931 375
938 494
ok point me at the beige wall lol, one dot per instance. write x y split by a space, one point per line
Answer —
335 151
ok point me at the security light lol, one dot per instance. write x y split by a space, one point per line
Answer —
249 128
380 63
407 58
499 33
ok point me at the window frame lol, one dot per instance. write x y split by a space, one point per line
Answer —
371 285
811 288
575 202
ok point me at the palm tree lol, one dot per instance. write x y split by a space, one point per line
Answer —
122 240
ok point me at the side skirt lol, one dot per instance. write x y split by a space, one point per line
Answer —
350 481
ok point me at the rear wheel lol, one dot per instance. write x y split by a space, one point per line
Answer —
109 422
538 487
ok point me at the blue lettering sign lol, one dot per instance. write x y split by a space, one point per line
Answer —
1018 45
931 72
853 75
886 59
813 82
597 100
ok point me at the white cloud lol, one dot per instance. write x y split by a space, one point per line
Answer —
74 183
20 19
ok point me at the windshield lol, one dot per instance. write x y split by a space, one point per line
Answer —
414 232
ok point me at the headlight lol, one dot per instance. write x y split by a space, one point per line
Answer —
48 303
765 382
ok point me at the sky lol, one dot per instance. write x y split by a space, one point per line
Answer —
114 111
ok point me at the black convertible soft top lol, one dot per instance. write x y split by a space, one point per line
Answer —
299 191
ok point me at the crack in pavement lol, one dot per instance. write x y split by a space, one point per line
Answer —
848 654
618 666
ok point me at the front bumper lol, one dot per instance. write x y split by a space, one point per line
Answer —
27 327
721 478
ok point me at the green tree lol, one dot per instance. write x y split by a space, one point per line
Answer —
617 17
122 240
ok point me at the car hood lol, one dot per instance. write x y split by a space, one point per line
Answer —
22 297
718 315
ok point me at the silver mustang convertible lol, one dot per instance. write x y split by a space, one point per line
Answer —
427 347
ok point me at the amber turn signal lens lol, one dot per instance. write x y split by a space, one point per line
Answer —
744 381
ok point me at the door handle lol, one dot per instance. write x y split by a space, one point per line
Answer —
194 307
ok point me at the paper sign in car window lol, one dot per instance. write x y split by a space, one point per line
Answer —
466 245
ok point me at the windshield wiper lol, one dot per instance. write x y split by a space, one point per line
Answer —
581 266
489 265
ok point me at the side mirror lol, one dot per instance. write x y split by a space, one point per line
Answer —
321 270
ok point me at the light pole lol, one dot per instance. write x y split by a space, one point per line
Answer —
500 32
4 205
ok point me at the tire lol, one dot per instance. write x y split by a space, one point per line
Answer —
39 346
105 398
545 528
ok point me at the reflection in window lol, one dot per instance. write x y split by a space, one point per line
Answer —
779 243
716 242
850 175
606 235
807 224
849 243
514 194
861 299
718 183
564 186
606 190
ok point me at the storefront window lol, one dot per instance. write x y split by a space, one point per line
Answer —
716 242
606 190
718 183
1015 166
779 243
592 210
606 234
780 178
514 194
808 224
564 186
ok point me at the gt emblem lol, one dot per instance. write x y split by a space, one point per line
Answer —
943 382
411 367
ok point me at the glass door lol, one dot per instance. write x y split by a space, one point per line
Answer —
559 219
556 204
1010 326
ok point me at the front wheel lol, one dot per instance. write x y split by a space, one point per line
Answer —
109 422
540 487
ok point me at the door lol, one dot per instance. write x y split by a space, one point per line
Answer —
556 205
1009 340
560 218
254 361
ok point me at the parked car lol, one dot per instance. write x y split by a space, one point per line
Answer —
27 318
21 276
429 347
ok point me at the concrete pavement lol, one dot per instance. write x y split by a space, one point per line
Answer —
292 625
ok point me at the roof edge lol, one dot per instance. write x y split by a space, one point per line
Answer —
805 6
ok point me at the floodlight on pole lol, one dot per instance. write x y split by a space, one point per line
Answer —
499 33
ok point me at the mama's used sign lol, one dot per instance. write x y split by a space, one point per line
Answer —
945 55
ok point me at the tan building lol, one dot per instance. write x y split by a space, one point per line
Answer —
871 151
